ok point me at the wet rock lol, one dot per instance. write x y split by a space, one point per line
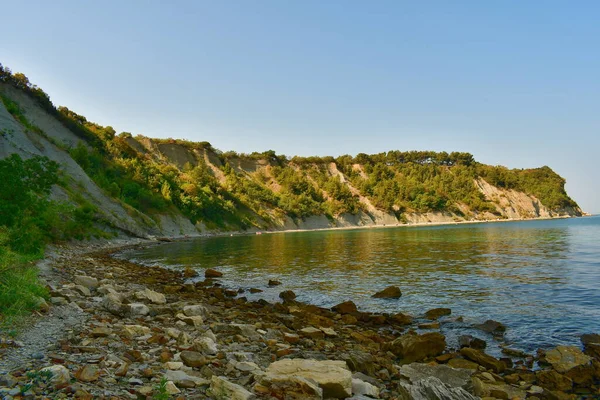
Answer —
429 325
61 376
86 281
391 292
591 344
491 326
273 282
472 342
431 388
189 273
152 296
287 295
402 319
193 358
347 307
255 290
364 388
222 389
413 347
552 380
483 359
436 313
88 373
212 273
333 377
450 376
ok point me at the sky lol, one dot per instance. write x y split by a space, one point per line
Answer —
514 83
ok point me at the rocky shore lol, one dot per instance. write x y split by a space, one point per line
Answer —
117 330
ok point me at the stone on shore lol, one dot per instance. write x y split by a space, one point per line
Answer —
88 373
431 388
182 379
195 310
193 358
212 273
152 296
483 359
571 362
86 281
60 375
452 377
591 344
287 295
273 282
347 307
333 377
222 389
413 347
364 388
288 387
436 313
391 292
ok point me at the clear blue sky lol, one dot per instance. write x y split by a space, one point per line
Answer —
515 83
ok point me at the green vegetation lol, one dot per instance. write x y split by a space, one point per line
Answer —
233 191
160 390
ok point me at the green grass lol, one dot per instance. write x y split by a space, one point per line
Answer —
20 289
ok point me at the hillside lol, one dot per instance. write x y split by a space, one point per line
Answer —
143 186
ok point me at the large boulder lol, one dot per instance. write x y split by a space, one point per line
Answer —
347 307
288 387
483 359
86 281
333 377
436 313
390 292
591 344
552 380
413 347
491 326
497 390
212 273
61 376
571 362
222 389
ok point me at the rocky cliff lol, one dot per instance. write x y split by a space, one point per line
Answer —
200 188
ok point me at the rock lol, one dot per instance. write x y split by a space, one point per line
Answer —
273 282
287 295
171 388
431 388
291 338
195 310
312 332
483 359
491 326
86 281
255 290
429 325
206 345
182 379
61 376
449 376
222 389
571 362
402 319
497 390
364 388
195 320
391 292
288 387
112 303
436 313
88 373
212 273
152 296
137 309
462 363
347 307
552 380
82 290
173 365
412 347
132 331
333 377
591 344
359 361
100 332
472 342
193 358
189 273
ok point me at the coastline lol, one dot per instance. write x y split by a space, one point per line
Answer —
135 319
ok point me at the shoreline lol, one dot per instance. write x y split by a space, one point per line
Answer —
131 311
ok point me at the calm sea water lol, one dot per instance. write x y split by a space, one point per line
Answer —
540 278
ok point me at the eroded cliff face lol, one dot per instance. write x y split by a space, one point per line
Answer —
54 140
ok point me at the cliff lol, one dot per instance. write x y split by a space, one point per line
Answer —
143 186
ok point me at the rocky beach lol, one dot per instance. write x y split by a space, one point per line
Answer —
113 329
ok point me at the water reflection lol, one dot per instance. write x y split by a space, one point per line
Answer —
539 278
